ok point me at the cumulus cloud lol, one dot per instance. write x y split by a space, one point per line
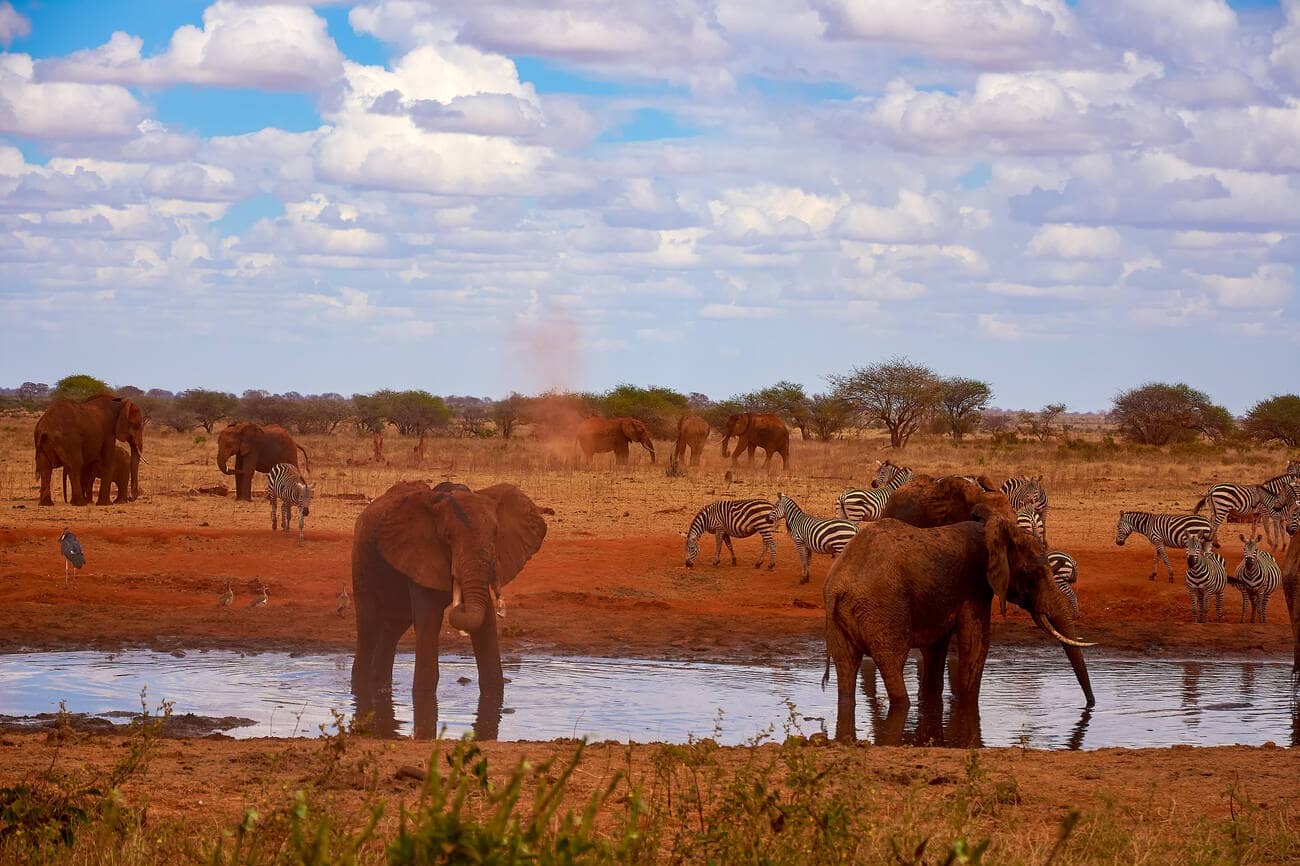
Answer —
54 110
736 311
274 47
1076 242
915 218
1198 31
998 327
1269 286
13 25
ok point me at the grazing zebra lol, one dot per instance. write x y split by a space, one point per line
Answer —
1065 571
812 534
1160 529
1258 577
1206 576
726 518
284 483
863 505
1024 492
1229 499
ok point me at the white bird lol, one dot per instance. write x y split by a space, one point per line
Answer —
261 602
343 600
228 596
72 553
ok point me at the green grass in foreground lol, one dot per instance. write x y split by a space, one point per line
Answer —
767 803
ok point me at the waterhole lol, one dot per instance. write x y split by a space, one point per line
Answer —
1029 697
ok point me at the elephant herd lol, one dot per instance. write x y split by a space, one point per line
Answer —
751 431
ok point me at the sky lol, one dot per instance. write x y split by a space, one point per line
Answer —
1064 198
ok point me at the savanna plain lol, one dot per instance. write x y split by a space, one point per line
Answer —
608 582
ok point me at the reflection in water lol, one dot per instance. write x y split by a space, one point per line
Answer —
1141 701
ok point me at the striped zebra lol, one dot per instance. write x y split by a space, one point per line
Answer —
1206 576
285 484
1293 467
888 471
726 518
1024 492
1030 521
1257 577
864 505
1160 530
1065 571
812 534
1228 499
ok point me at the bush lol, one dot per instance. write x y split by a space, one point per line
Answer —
658 408
78 387
1276 419
1161 414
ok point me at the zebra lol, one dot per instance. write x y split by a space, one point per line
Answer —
1206 576
1227 499
284 483
1065 571
865 505
888 471
1293 467
1258 577
726 518
1030 521
1024 492
812 534
1160 529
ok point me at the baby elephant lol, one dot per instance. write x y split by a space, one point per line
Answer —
284 483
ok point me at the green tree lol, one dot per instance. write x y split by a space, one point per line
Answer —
899 394
78 386
658 408
508 412
786 399
1158 413
1041 424
1276 419
415 413
372 410
207 407
266 408
961 405
828 415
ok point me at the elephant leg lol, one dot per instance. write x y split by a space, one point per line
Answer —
695 455
74 471
767 461
372 672
972 652
847 658
427 609
106 465
933 659
491 680
750 451
45 469
891 662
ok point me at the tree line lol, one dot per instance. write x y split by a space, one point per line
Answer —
896 394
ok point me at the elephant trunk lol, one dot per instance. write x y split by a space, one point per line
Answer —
725 439
134 480
223 458
650 446
1073 651
475 606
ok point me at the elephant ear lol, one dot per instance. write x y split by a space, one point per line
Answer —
519 531
131 416
629 428
997 537
407 534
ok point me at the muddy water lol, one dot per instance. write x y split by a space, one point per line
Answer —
1029 697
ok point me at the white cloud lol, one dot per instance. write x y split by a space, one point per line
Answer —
998 327
1285 58
13 25
736 311
1200 31
1076 242
275 47
54 110
1270 286
915 218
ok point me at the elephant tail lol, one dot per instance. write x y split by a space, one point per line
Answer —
65 483
305 465
826 674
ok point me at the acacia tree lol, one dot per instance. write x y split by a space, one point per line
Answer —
1158 413
828 415
898 393
79 386
507 412
207 407
1041 424
961 404
1276 419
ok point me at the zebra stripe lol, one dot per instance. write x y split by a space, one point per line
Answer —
1161 530
1228 499
285 484
865 505
1029 520
1024 492
726 518
812 534
887 472
1065 571
1206 576
1257 577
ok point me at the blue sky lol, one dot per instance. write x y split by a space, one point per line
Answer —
1063 198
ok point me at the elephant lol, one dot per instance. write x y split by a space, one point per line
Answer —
77 435
692 432
121 478
255 449
925 501
416 550
1291 591
757 431
598 435
897 587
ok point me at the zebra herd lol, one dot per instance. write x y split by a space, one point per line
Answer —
1275 503
741 518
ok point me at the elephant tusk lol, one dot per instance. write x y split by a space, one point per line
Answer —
1046 625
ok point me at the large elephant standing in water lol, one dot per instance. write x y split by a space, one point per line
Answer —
1291 590
414 550
80 434
897 587
255 449
752 431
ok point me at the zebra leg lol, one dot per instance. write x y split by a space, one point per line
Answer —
767 542
727 540
1155 563
717 547
285 511
272 499
1263 606
302 520
1218 604
804 556
1196 609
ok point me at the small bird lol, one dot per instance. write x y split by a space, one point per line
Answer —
228 596
261 602
343 600
72 553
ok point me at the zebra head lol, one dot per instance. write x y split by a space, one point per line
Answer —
1293 521
692 547
1124 528
1250 552
884 473
779 509
1195 551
